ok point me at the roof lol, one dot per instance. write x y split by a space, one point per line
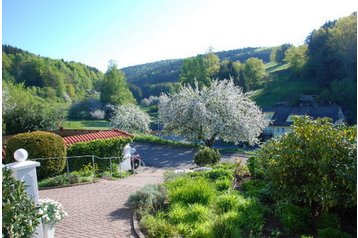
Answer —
100 135
282 113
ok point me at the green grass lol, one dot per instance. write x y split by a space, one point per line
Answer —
87 124
283 87
160 141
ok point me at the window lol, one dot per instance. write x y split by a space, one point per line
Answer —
283 130
278 130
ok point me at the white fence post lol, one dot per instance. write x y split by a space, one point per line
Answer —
26 171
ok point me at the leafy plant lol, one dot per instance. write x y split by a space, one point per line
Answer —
59 180
226 202
190 191
315 164
99 148
40 144
150 198
52 211
20 216
158 227
223 184
332 233
207 156
294 218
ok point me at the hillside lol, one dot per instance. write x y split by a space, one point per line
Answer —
51 79
169 70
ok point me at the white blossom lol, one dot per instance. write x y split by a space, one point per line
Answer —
130 118
219 111
52 211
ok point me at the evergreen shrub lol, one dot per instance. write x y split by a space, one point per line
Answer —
40 144
207 156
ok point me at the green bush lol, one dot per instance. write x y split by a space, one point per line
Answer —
40 144
251 219
20 215
207 156
219 174
329 220
257 188
294 218
223 184
315 164
226 203
226 226
157 227
332 233
150 198
190 191
59 180
99 148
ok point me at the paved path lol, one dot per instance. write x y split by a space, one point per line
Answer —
99 209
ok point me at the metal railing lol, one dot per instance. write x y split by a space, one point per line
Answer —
93 158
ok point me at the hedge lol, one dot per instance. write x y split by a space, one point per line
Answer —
99 148
40 144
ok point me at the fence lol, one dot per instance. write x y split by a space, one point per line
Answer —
92 158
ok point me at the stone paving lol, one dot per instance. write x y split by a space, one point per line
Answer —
99 209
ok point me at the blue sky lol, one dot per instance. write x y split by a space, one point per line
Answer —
140 31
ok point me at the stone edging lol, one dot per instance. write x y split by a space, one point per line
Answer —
135 226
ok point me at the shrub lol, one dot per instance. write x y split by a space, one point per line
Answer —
223 184
226 226
294 218
226 203
40 144
193 213
241 170
219 174
190 191
329 220
315 164
332 233
99 148
82 110
207 156
59 180
157 227
150 198
20 216
251 219
256 188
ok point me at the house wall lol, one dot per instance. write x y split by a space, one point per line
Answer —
280 130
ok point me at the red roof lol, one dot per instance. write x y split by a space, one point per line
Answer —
100 135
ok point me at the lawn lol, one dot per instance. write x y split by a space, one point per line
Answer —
87 124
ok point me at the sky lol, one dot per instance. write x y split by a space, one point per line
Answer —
140 31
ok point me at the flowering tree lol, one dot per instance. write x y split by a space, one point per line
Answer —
130 118
219 111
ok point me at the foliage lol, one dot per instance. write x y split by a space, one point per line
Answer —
23 112
219 111
152 139
253 72
59 180
195 191
150 198
130 118
294 218
296 57
194 70
207 156
52 211
114 88
278 53
20 216
84 109
332 233
40 144
314 164
99 148
219 173
49 78
158 227
226 202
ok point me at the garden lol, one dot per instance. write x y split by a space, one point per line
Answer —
300 185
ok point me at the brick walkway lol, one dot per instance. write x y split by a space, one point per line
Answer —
99 209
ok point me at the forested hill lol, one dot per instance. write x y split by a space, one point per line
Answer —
169 70
54 80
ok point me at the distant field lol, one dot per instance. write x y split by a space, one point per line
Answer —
87 124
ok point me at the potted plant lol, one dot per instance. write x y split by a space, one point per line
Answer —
52 212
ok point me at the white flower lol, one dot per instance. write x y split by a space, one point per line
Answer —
52 211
